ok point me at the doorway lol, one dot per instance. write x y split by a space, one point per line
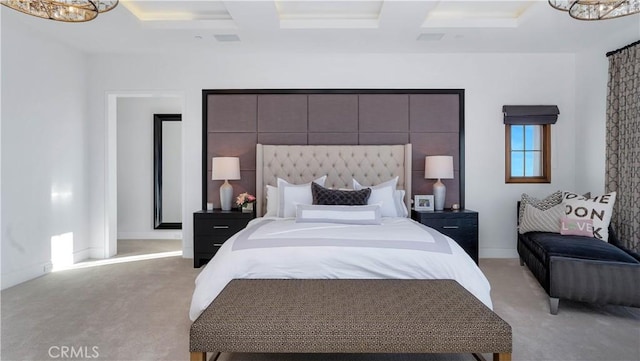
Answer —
129 180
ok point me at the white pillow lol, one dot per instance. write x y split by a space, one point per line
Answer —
399 198
385 194
272 201
315 213
599 209
291 194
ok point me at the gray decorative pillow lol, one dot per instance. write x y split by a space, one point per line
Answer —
542 204
538 220
332 197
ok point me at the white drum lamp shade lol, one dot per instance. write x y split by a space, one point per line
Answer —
225 168
438 167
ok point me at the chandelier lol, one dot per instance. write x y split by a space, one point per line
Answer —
71 11
597 9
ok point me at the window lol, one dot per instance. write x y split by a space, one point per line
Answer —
528 153
528 142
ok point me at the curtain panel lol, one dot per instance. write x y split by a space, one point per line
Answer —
623 142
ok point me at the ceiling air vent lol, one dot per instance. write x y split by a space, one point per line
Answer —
226 37
430 36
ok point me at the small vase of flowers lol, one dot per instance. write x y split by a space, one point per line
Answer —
245 201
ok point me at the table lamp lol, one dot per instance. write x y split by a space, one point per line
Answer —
438 167
225 168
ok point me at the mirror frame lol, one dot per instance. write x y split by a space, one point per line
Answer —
157 170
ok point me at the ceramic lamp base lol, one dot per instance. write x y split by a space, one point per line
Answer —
439 193
226 196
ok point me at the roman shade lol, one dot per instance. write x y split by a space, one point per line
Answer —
530 114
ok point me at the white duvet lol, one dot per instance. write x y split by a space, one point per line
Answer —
279 248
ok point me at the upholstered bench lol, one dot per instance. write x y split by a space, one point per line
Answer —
349 316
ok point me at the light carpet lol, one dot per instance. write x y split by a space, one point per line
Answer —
138 310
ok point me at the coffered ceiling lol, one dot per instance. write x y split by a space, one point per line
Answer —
366 26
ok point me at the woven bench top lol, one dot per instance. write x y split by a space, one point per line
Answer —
349 316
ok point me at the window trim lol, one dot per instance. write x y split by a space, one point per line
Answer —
546 157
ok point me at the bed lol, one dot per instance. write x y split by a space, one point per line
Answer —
277 247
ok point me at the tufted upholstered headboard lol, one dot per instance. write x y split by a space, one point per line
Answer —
368 164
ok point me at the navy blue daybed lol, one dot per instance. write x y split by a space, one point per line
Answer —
582 268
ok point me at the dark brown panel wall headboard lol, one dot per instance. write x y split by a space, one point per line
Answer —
234 121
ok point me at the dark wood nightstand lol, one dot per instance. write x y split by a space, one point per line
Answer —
212 228
460 225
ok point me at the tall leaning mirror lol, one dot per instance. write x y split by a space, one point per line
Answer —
167 169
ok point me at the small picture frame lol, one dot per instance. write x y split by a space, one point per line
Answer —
423 202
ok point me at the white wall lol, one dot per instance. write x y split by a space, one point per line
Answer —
44 151
1 233
490 81
592 67
591 89
135 165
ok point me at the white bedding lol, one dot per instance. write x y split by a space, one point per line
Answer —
281 248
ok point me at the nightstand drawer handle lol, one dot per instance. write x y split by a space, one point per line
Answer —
218 244
220 227
450 227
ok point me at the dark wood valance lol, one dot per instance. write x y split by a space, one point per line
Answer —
530 114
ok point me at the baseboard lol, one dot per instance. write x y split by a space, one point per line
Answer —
96 253
81 255
172 234
36 270
25 274
498 253
187 252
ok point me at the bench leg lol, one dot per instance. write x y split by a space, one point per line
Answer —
478 357
553 305
502 357
198 356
